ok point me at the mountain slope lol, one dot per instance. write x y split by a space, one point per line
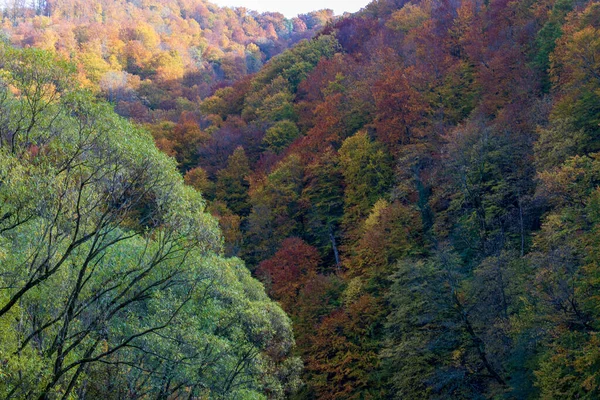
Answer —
156 59
421 199
417 186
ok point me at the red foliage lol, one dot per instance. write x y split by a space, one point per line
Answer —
400 107
289 269
343 354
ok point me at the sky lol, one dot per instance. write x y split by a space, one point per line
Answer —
294 7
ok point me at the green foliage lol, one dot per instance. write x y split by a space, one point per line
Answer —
570 370
324 197
294 65
111 278
232 183
557 143
281 135
575 71
391 232
277 107
411 325
274 87
275 209
367 174
494 175
434 233
546 39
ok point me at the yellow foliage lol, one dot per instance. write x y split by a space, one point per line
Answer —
408 17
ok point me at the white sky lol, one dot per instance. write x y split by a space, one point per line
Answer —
294 7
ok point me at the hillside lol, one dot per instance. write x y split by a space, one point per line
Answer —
416 186
155 59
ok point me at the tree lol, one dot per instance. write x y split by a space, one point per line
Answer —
276 211
390 233
367 176
280 136
198 179
433 344
110 264
294 264
400 108
576 71
343 355
547 36
565 262
232 183
323 201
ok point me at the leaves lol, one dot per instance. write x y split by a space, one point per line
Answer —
111 267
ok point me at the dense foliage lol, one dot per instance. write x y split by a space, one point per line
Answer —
112 282
417 186
155 59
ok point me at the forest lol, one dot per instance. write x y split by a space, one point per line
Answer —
209 203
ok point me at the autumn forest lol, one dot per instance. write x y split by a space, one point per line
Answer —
199 202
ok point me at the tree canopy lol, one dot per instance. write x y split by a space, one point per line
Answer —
112 282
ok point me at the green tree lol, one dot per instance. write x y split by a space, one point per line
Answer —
110 267
276 211
367 171
232 183
280 136
323 202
